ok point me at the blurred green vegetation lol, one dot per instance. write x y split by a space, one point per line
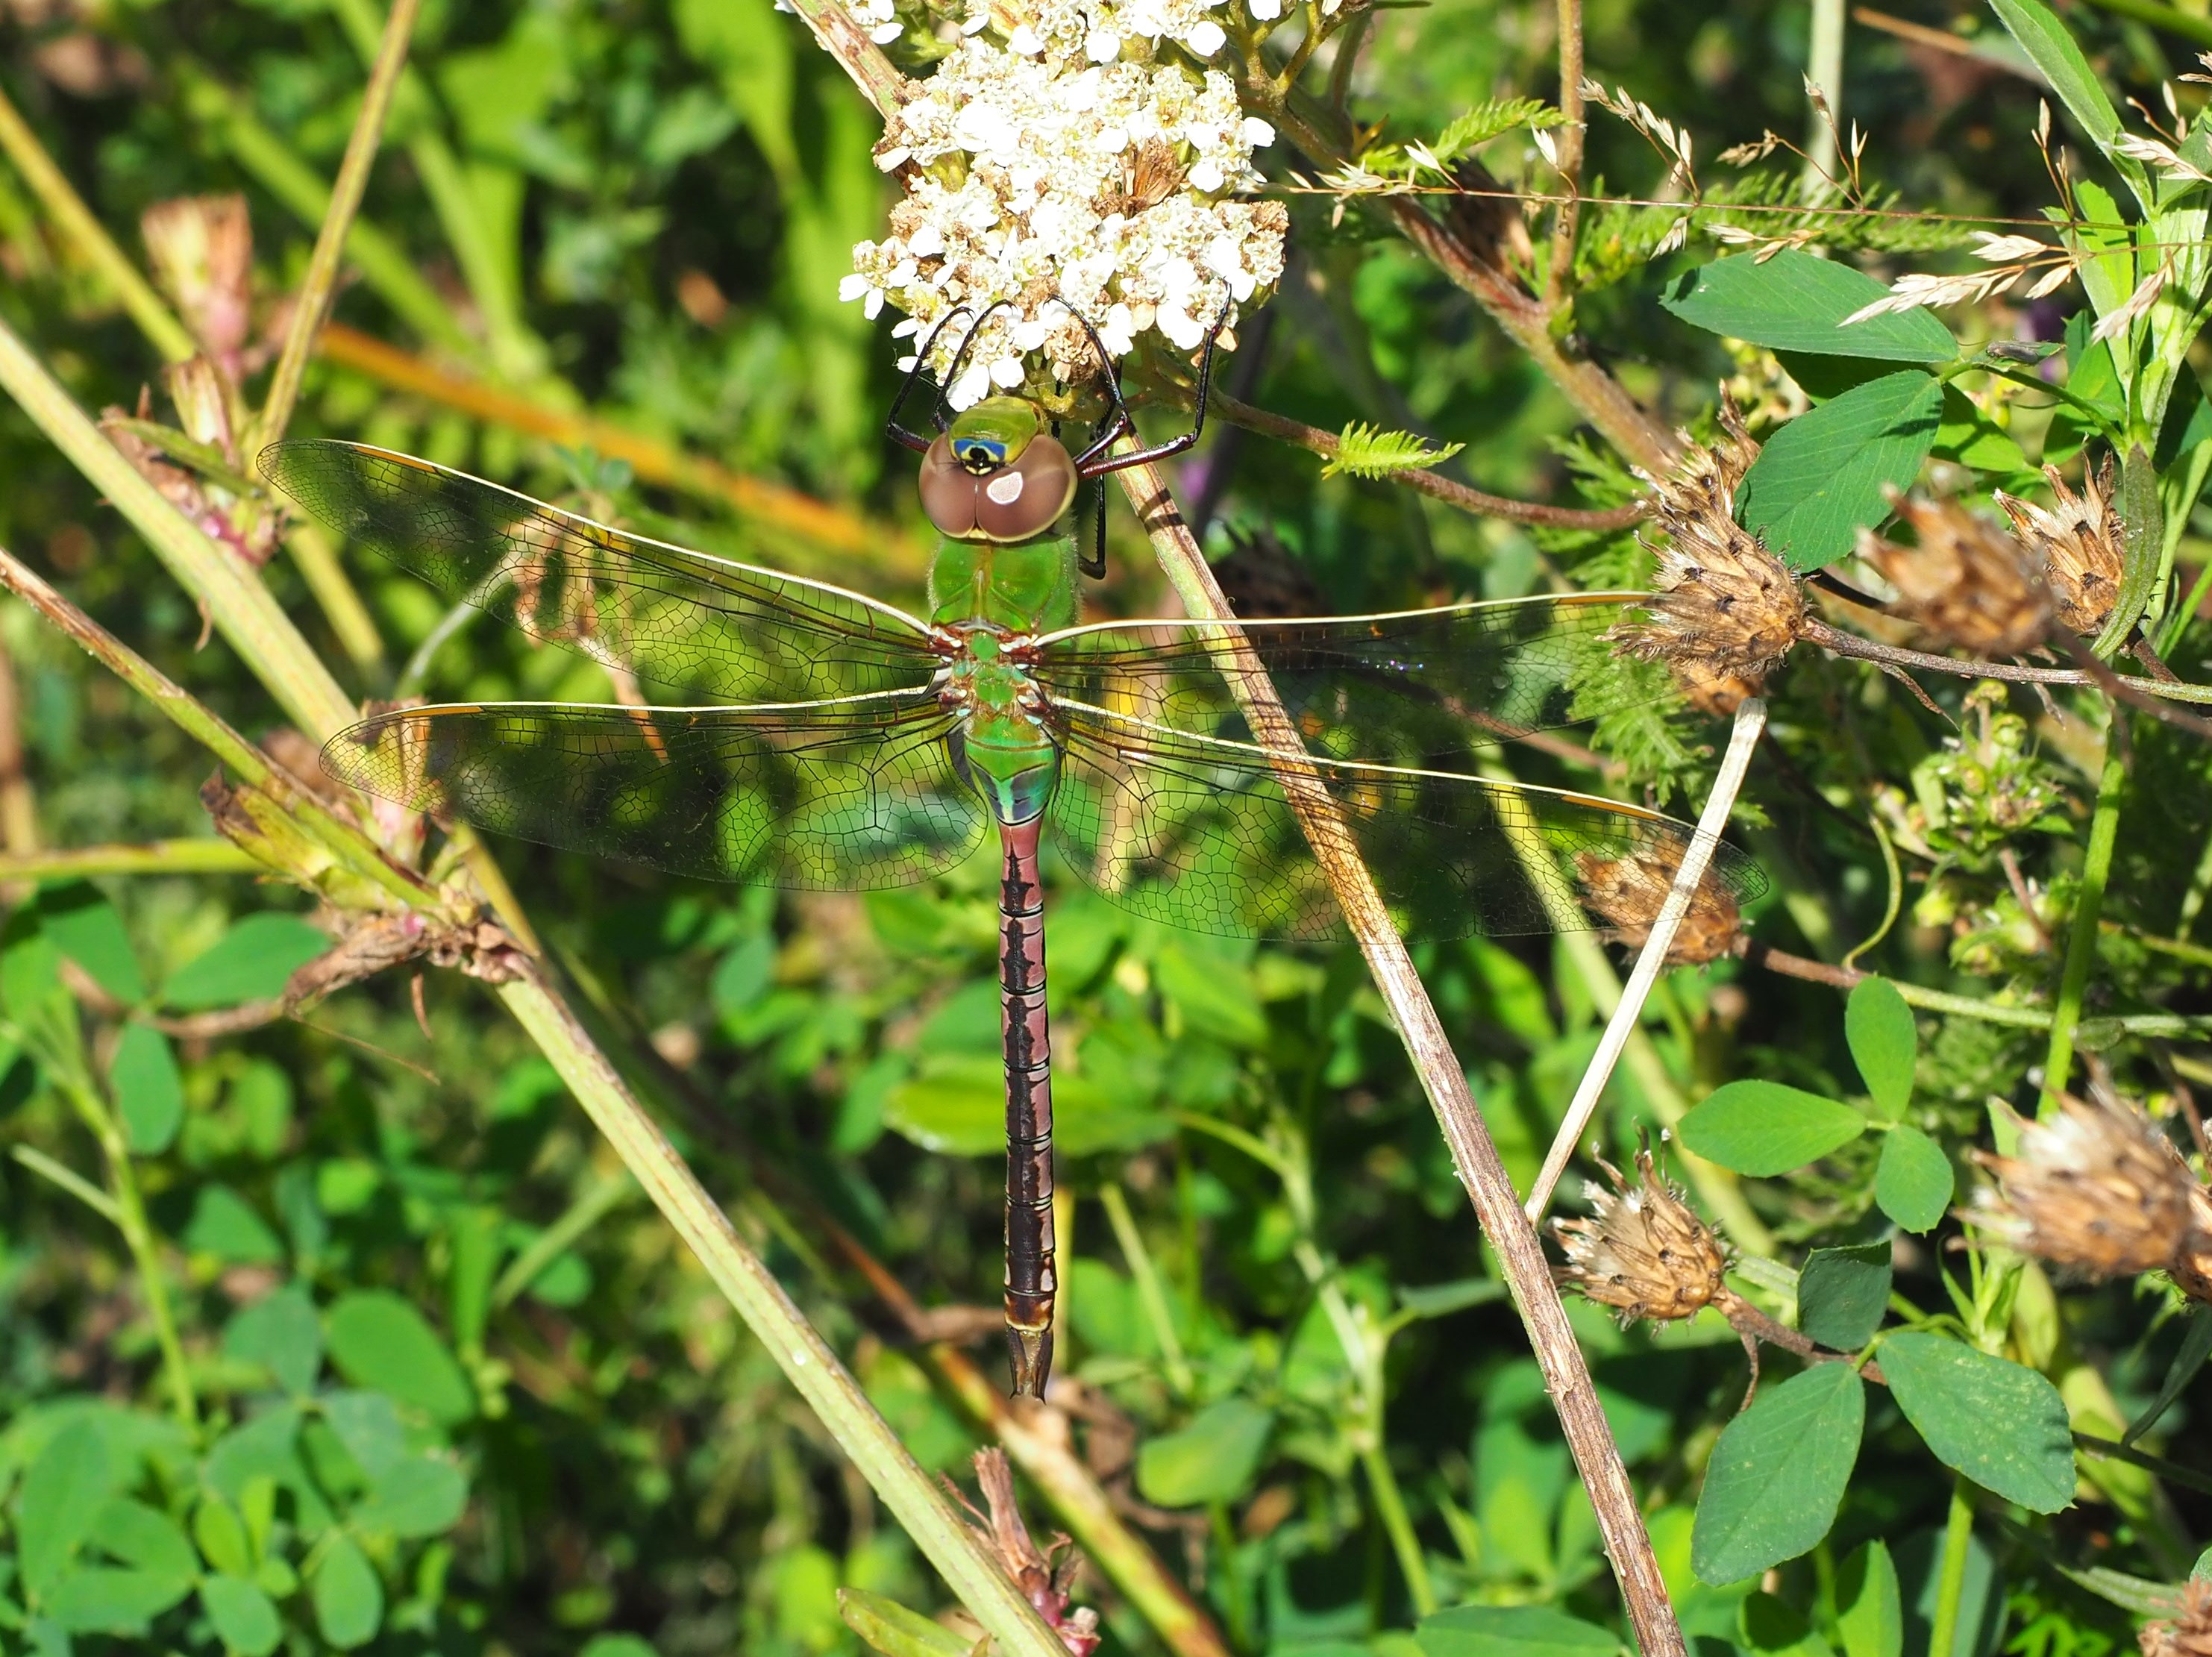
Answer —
460 1390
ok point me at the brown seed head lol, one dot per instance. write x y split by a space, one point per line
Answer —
2077 544
1626 894
1966 583
2096 1190
2189 1635
1723 604
1643 1252
2192 1262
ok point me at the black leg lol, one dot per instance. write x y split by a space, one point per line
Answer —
1174 445
1095 565
952 374
898 434
1120 422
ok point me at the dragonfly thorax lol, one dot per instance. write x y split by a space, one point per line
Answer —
1000 747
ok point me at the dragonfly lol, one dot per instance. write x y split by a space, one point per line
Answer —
820 738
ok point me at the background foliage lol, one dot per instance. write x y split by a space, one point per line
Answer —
454 1387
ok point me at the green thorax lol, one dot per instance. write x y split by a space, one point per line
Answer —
1000 748
1022 587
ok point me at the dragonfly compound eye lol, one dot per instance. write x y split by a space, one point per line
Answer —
1016 501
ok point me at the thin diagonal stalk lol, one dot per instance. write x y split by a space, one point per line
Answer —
1150 1291
1475 1156
2088 904
89 237
966 1566
1750 720
160 856
1559 277
313 302
242 609
1951 1581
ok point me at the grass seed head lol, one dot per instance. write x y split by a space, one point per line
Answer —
1643 1252
1968 585
1626 894
1723 609
2078 544
2096 1190
2189 1635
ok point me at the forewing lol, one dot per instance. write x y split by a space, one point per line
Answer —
1404 689
835 796
685 622
1199 833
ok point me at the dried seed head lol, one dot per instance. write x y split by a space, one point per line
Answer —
1724 606
2192 1262
1626 894
2189 1635
1966 583
2077 543
1643 1252
1042 1575
2097 1189
200 249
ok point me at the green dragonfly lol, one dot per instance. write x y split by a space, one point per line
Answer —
830 741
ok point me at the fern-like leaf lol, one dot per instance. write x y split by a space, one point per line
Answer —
1363 452
1492 119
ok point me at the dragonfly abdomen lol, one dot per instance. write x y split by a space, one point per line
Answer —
1026 1031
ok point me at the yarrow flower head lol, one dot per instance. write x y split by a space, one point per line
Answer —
1104 193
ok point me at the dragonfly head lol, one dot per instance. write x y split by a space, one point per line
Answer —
996 474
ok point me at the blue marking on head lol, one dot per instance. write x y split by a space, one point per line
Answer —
980 450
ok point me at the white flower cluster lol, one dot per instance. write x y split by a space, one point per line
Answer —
1102 193
1067 33
880 19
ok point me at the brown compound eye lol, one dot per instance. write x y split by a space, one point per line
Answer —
948 491
1027 497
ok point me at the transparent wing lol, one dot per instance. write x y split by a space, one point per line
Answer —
1199 833
687 623
831 795
1401 688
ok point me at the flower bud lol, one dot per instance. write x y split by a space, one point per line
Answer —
2097 1189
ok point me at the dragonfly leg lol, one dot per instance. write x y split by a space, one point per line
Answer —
898 434
1030 1281
1092 468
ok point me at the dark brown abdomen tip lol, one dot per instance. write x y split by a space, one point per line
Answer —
1028 1351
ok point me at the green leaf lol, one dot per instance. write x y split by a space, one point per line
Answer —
889 1627
1879 1027
146 1539
1763 1128
63 1491
1842 1294
348 1595
101 1600
244 1618
1777 1474
1823 477
1970 437
1212 1460
30 968
1913 1182
618 1645
224 1225
2052 50
281 1333
1511 1631
1215 997
418 1497
1492 119
379 1341
222 1536
149 1094
369 1425
2188 1359
249 962
1869 1609
1771 1627
1796 303
2004 1426
1363 452
85 928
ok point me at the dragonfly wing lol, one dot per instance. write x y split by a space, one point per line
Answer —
830 796
1402 688
1201 833
686 621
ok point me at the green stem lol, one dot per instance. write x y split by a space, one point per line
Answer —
238 604
316 560
2082 943
65 1178
2173 20
1390 1505
207 856
1951 1586
1149 1289
89 237
601 1199
312 303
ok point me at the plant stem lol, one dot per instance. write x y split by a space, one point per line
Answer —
89 237
1825 70
202 856
1390 1506
2195 30
312 303
65 1178
2081 941
1148 1287
1558 275
318 561
1750 721
605 1194
240 605
1950 1585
